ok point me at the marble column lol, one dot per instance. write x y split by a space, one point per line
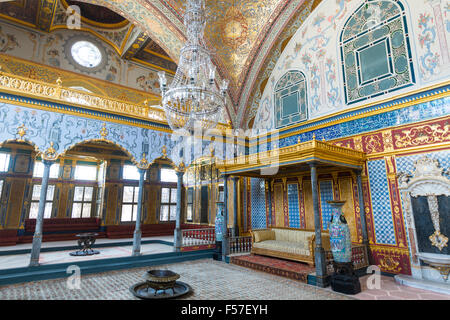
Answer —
319 253
177 232
235 207
225 244
362 212
37 238
137 230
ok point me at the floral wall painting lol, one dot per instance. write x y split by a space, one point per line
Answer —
148 82
8 42
354 52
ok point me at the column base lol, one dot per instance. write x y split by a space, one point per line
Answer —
217 255
323 281
320 262
34 264
225 249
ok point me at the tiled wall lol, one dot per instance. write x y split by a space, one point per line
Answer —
258 203
381 204
326 194
294 210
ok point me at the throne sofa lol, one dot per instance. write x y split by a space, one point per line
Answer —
287 243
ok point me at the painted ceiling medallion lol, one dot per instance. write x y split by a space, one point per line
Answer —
85 54
234 28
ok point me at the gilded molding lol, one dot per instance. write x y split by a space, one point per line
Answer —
21 131
143 163
305 151
50 154
409 101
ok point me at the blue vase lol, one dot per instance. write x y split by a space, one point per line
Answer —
340 239
218 224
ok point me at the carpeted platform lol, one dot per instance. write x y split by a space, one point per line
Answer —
280 267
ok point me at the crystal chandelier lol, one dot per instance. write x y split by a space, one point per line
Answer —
192 99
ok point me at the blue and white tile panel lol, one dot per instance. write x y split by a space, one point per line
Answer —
294 209
326 194
381 203
258 203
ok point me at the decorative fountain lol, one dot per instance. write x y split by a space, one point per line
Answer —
160 284
425 195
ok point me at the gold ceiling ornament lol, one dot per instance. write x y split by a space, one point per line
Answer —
103 131
50 154
22 131
299 140
234 28
143 164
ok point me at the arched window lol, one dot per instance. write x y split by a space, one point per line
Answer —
375 51
290 99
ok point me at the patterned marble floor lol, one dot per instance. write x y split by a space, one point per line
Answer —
391 290
209 279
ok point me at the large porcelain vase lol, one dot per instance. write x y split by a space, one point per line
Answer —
340 240
219 222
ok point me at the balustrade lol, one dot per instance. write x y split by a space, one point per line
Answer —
240 244
195 237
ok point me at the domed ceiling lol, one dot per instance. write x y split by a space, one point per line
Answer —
245 37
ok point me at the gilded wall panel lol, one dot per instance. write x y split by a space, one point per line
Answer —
111 204
279 205
309 209
16 196
64 201
346 193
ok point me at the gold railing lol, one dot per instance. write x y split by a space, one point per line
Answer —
56 92
297 152
27 87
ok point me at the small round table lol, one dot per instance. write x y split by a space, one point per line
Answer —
85 242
